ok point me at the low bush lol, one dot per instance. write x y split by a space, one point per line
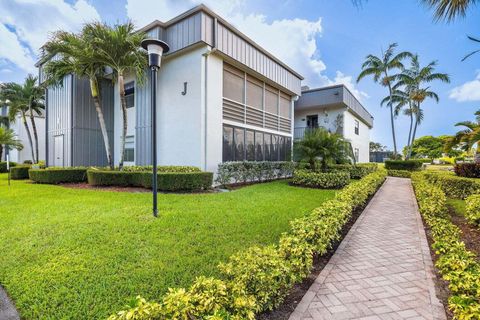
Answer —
161 169
411 165
259 278
356 171
167 181
453 186
3 166
253 171
19 172
467 170
456 264
472 208
58 175
399 173
322 180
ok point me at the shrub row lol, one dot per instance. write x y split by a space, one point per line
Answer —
456 264
399 173
321 180
473 209
259 278
58 175
453 186
253 171
411 165
468 170
3 166
358 171
184 169
167 181
19 172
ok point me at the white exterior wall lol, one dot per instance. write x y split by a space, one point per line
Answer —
360 141
326 117
26 153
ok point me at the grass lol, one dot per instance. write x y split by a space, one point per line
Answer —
458 205
84 254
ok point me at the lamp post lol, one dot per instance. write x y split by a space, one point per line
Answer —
155 50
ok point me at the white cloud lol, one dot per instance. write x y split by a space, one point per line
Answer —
469 91
30 22
294 41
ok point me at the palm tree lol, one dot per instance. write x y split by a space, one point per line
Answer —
450 9
72 54
474 51
319 143
118 47
35 97
8 140
381 69
466 139
414 79
12 93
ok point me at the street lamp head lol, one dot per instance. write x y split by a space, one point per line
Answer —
155 48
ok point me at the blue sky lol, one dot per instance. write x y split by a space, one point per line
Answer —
324 40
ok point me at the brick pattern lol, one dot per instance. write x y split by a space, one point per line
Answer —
382 269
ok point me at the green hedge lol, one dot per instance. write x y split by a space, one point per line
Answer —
19 172
467 170
58 175
456 264
322 180
472 208
3 166
411 165
453 186
167 181
161 169
399 173
356 171
259 278
253 171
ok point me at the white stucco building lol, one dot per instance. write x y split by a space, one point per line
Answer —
336 109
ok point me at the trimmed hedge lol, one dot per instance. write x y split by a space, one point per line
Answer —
456 264
58 175
453 186
161 169
253 171
467 170
321 180
3 166
411 165
472 207
399 173
358 171
259 278
167 181
19 172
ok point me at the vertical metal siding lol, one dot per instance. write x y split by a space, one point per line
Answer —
143 128
185 32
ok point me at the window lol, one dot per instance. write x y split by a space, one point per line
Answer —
129 149
130 94
254 93
282 148
274 148
258 146
239 139
356 154
357 127
271 100
250 145
228 146
285 106
268 146
289 150
233 84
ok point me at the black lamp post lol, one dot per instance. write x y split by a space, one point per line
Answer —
155 50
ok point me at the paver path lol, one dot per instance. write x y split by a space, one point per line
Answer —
7 309
382 269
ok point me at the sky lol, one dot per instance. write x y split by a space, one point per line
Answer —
324 40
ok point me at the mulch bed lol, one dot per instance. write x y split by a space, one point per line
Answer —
86 186
319 262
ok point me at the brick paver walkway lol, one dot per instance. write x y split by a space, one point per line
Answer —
382 269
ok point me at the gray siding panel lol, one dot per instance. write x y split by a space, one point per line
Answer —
88 144
143 128
184 33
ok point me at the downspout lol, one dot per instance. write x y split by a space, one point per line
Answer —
46 128
71 122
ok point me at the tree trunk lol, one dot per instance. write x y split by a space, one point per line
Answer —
413 138
35 135
409 142
123 103
1 152
312 165
392 122
29 135
101 120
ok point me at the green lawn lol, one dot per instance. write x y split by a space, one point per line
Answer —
83 254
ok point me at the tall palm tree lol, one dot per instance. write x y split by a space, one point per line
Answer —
468 138
383 71
8 140
12 93
35 98
415 78
74 54
450 9
474 51
118 47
